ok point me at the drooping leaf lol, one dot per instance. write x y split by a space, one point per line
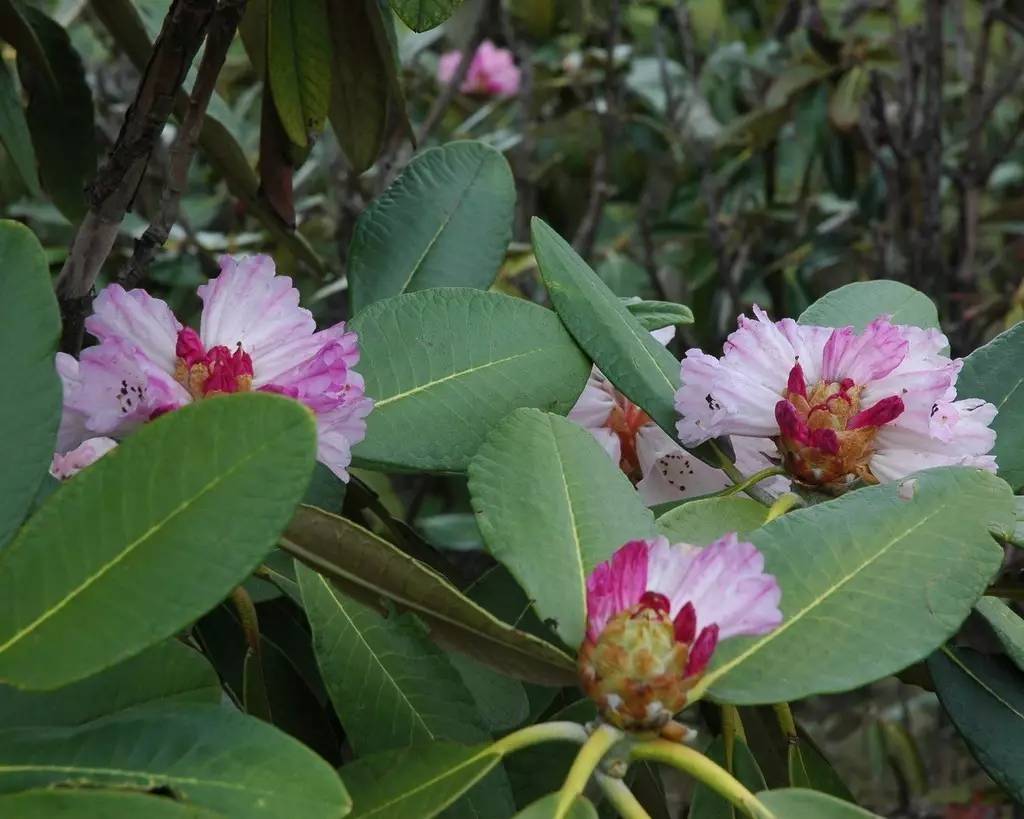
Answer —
445 222
545 808
197 496
166 673
706 519
444 366
654 315
852 569
29 331
1007 625
709 804
368 568
15 134
87 803
984 696
299 65
235 765
501 701
809 769
551 506
420 781
57 110
994 373
17 31
420 15
858 304
798 803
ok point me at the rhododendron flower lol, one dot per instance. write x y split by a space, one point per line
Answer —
661 469
656 612
492 71
253 336
71 463
840 405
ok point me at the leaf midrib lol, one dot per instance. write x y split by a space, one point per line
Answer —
578 548
449 773
984 686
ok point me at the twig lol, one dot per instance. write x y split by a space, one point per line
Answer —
523 153
221 32
114 187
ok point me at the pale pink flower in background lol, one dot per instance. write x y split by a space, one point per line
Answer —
71 463
655 614
661 469
253 336
492 71
840 405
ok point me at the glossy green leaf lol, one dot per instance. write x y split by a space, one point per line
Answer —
706 519
445 222
86 803
551 506
501 701
17 31
163 527
444 366
1007 625
798 803
56 110
809 769
369 568
862 302
208 754
545 808
299 66
994 372
865 564
29 331
708 803
15 134
166 673
984 696
654 315
420 781
420 15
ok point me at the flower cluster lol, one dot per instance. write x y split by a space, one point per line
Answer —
656 612
492 71
253 336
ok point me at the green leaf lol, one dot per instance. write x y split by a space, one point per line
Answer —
602 325
809 769
709 804
984 696
208 754
445 222
444 366
797 803
544 808
368 568
420 15
994 372
166 673
98 804
420 781
654 315
55 111
299 66
17 31
866 564
861 303
706 519
846 101
29 331
15 134
501 701
1007 624
551 505
163 526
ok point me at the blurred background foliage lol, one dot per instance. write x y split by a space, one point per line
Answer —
717 153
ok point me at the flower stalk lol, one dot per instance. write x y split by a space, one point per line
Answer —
602 740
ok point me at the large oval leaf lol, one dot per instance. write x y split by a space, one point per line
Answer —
994 372
798 803
866 564
299 65
211 755
196 497
862 302
168 672
98 804
369 568
15 134
420 15
984 696
551 505
444 366
545 808
1007 625
706 519
29 331
445 222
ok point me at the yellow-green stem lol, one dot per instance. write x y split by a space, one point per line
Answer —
756 478
703 769
732 729
246 609
621 797
786 722
586 762
783 505
737 477
541 732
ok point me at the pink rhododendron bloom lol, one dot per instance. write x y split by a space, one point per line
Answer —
71 463
840 405
252 336
661 469
655 613
492 71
